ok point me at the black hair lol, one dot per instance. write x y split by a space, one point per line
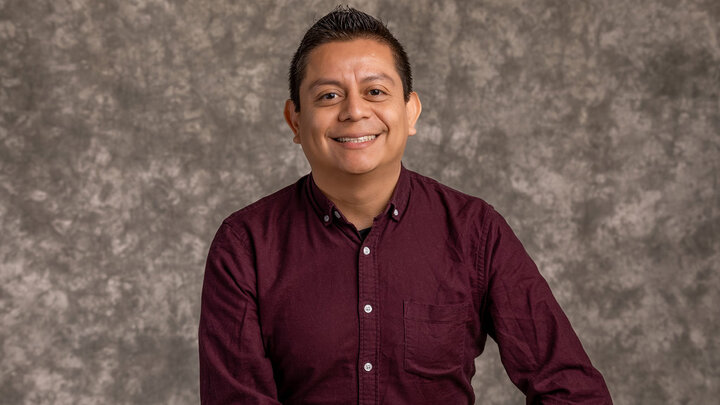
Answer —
344 24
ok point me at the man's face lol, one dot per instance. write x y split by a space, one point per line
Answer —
353 116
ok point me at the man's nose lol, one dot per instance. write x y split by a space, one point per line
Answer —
354 108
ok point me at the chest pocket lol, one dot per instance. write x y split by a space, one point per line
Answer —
434 337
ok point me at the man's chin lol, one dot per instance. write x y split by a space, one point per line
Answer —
355 168
356 172
352 170
362 168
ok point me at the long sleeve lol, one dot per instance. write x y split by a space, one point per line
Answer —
233 365
539 349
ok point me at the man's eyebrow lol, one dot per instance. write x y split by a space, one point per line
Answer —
323 81
377 76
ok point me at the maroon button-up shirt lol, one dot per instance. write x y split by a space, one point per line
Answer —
298 309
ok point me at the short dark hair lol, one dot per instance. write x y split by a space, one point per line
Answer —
345 24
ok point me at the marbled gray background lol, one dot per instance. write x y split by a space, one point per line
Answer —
130 129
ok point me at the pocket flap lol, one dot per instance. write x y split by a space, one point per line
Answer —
441 313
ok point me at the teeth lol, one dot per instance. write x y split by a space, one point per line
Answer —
357 140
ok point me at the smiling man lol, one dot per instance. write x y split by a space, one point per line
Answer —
365 282
357 113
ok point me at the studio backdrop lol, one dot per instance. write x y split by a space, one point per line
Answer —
130 128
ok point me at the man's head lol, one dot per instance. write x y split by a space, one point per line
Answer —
345 24
357 106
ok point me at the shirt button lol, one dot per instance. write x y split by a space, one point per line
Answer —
366 250
396 212
368 308
326 218
367 366
337 215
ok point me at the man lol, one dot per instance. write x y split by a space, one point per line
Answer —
365 282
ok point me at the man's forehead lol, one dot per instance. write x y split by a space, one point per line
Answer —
369 59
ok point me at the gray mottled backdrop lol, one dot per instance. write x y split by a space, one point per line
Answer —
130 128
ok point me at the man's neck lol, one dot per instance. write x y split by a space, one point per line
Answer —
360 197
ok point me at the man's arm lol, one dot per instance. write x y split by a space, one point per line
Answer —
539 349
233 365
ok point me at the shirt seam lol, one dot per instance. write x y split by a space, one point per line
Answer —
482 268
243 239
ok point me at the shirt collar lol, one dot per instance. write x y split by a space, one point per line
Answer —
395 208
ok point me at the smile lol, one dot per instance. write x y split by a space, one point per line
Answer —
361 139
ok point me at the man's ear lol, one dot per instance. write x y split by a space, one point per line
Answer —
412 109
292 118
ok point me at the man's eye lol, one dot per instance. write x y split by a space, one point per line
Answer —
328 96
376 92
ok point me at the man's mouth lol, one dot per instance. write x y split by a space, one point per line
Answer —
360 139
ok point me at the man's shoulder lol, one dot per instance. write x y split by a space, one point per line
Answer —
468 217
270 206
428 187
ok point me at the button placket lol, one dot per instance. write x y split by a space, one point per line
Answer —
369 324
